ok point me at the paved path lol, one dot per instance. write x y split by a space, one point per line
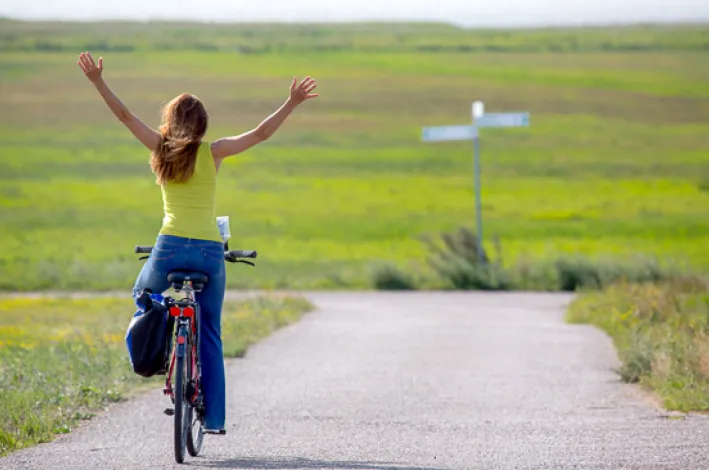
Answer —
423 381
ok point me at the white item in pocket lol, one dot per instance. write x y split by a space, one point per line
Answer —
223 224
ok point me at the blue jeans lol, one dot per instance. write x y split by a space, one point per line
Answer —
172 253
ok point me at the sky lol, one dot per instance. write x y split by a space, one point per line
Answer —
482 13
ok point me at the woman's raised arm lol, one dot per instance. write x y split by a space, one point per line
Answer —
145 134
299 93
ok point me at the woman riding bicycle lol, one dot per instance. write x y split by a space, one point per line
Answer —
186 167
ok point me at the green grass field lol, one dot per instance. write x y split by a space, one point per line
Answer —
616 162
62 360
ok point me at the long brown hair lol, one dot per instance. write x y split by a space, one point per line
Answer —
184 123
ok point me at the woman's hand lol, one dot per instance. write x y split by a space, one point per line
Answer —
91 70
302 92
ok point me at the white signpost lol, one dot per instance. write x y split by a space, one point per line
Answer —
471 132
503 120
446 133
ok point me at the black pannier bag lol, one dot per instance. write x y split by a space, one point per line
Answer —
148 335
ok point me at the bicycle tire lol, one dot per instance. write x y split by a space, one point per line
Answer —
194 444
181 405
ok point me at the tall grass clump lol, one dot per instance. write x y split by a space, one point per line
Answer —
458 263
576 272
390 277
661 332
461 265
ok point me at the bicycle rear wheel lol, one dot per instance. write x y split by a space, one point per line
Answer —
195 431
195 434
182 408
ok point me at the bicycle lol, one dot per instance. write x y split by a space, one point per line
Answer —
186 391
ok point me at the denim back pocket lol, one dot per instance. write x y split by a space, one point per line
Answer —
161 253
213 254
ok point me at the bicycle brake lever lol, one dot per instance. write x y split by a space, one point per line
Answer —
143 257
245 262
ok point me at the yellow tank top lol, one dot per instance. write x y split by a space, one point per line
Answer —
189 207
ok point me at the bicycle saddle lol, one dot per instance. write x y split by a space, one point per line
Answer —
178 278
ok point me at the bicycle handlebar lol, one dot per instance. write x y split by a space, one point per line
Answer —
231 255
241 253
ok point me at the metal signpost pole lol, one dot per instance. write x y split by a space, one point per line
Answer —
478 197
471 132
477 112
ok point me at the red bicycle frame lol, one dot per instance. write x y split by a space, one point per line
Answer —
184 313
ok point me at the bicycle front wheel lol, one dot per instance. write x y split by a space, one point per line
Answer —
182 414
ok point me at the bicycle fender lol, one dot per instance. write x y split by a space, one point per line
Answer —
181 342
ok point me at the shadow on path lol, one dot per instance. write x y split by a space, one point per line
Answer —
297 463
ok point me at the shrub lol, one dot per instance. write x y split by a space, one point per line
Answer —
534 275
466 276
390 277
459 246
456 259
459 262
577 272
637 359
